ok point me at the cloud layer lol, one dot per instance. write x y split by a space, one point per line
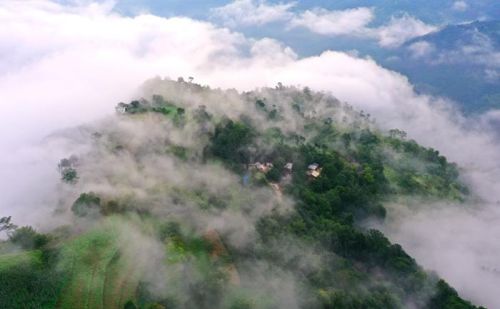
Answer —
321 21
349 22
82 60
250 12
355 22
400 30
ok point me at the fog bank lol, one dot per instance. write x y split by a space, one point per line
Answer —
82 60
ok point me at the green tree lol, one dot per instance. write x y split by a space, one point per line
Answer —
274 174
86 204
230 142
28 238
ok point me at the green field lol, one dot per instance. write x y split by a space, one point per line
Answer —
99 275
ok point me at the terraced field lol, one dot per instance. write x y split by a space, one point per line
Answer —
99 275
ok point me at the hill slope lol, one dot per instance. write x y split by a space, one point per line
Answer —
200 198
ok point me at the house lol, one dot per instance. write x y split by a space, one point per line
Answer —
315 173
121 108
313 167
262 167
313 170
287 173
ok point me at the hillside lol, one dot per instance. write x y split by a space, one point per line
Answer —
192 197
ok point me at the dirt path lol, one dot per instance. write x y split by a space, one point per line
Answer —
218 250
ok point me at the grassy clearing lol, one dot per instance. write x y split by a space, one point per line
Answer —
10 260
99 272
86 259
25 282
98 275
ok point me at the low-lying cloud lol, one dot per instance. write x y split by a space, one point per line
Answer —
82 60
459 243
473 47
401 29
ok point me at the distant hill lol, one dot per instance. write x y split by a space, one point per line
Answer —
461 62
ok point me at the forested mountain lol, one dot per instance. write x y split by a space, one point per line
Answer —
461 62
198 198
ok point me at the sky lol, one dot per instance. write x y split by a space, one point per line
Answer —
281 14
278 17
66 63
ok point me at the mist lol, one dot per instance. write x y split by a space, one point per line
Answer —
83 59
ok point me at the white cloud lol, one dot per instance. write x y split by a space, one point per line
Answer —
460 6
272 52
252 12
492 75
421 49
459 243
481 50
351 21
355 22
81 61
476 48
400 30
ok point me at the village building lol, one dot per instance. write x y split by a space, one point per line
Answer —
262 167
313 170
287 173
313 166
121 108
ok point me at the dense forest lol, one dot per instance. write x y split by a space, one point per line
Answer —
192 197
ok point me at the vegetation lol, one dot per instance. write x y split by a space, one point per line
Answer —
86 204
189 235
67 168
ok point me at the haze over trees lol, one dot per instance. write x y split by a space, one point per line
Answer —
199 198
